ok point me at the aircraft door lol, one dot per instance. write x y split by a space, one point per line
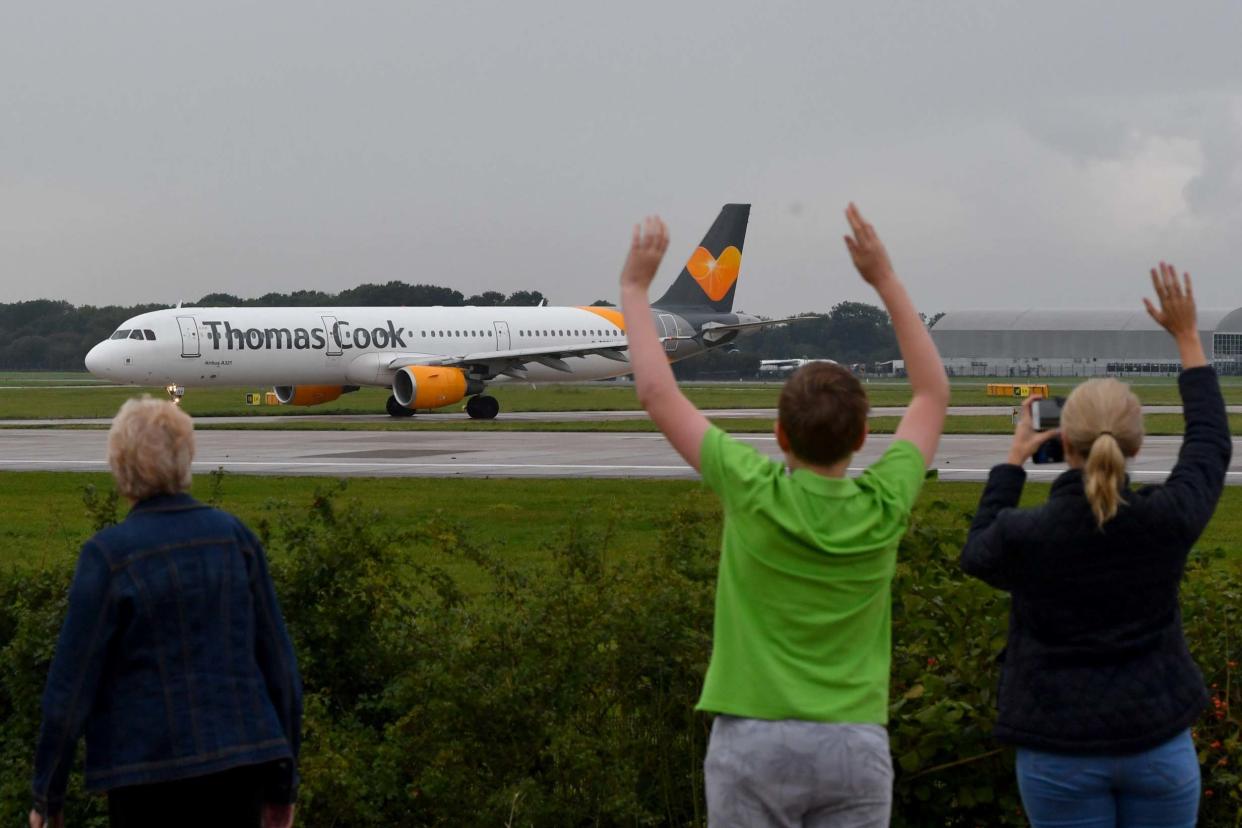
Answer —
331 334
669 324
502 336
189 336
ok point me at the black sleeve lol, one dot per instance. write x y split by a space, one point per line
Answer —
1188 497
986 556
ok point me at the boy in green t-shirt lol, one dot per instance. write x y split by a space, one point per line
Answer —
802 635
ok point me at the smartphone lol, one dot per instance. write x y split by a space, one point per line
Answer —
1046 416
1050 452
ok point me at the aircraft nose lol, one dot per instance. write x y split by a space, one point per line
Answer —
94 359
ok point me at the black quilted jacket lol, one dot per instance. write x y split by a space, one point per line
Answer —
1096 661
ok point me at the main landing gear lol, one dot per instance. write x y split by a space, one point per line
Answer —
396 409
175 393
482 407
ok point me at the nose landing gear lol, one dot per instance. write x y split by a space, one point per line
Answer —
482 407
175 393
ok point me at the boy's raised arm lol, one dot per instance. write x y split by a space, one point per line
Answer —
683 425
924 419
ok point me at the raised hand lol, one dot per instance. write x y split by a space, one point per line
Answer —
646 251
866 249
1177 302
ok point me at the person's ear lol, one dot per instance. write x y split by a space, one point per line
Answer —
863 439
1067 451
782 439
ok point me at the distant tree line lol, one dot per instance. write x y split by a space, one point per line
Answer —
54 335
393 294
49 335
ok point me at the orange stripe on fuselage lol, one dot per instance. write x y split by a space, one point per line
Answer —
611 314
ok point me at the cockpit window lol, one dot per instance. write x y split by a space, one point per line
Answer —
121 334
136 334
150 334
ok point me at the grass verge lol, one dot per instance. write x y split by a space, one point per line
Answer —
47 520
32 402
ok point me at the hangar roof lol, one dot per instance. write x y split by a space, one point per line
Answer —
1072 320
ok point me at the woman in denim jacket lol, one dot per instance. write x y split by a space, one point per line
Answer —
173 658
1098 690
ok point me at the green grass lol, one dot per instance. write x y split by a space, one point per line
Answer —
19 379
39 402
45 519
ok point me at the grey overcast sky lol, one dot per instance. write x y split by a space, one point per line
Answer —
1010 153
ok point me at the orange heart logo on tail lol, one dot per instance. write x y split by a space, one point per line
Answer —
715 276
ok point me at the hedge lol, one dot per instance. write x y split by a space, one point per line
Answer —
563 695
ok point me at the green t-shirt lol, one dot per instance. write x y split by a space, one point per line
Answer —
803 626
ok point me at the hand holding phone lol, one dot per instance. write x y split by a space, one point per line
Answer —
1046 416
1027 440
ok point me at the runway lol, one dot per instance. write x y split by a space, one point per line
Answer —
555 416
501 454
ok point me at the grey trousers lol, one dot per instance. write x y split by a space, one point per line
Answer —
794 773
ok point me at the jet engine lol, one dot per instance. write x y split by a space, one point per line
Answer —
429 386
310 394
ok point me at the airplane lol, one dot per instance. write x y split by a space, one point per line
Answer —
429 356
781 368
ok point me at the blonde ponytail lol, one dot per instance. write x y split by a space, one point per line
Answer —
1103 475
1103 422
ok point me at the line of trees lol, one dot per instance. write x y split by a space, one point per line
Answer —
49 335
55 335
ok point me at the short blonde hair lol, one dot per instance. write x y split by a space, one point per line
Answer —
1103 423
150 448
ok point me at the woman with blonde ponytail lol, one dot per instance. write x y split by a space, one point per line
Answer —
1103 423
1098 689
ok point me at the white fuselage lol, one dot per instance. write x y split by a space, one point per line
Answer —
197 347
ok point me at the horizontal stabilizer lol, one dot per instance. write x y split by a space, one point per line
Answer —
713 331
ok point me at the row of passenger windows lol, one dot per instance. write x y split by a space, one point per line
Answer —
575 332
125 333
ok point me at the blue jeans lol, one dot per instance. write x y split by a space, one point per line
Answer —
1158 788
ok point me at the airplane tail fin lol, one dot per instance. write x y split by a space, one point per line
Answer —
709 279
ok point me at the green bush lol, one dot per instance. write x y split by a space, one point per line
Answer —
562 694
1210 601
32 606
947 632
564 697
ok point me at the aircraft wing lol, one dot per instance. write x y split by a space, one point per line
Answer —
514 361
713 331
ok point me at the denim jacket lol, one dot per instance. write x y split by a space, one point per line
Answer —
173 658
